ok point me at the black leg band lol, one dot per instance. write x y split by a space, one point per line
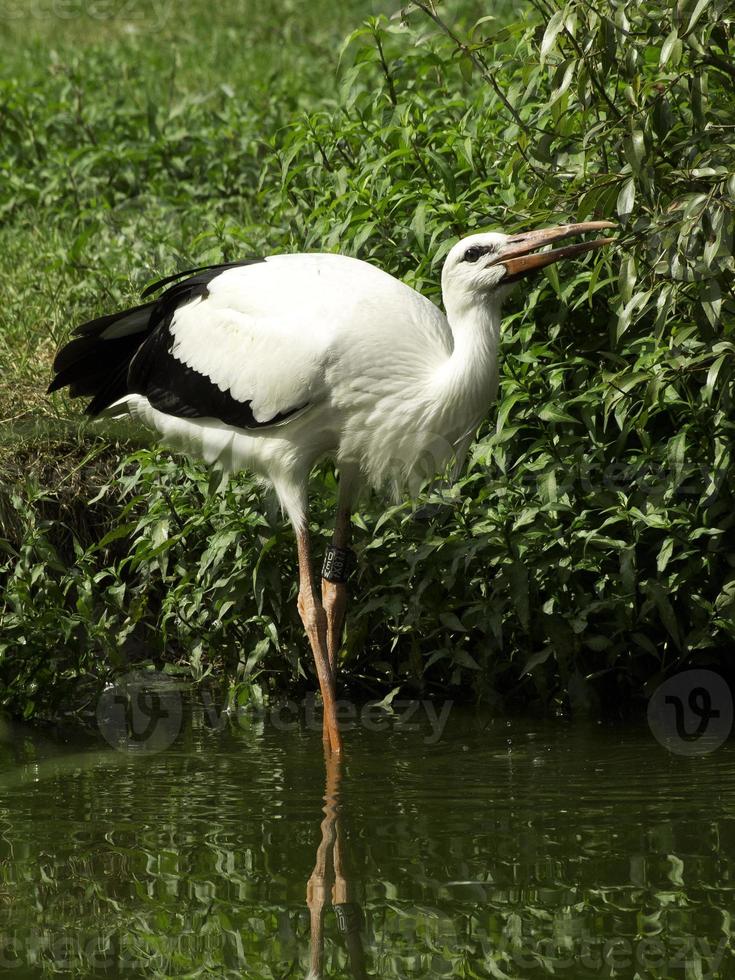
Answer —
338 563
349 917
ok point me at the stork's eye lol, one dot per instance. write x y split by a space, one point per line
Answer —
473 253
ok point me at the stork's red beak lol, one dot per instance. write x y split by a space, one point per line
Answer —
521 258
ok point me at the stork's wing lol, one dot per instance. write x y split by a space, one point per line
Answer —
253 343
226 343
251 352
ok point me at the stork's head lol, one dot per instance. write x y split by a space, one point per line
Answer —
482 268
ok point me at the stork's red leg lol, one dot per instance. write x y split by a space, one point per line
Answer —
314 619
334 588
321 883
330 879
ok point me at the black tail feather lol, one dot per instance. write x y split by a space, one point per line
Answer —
114 387
84 369
129 321
97 360
95 364
73 352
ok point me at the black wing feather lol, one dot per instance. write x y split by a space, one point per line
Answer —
215 269
177 389
140 361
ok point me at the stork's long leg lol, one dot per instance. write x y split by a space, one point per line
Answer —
349 914
321 883
334 592
338 562
330 879
315 623
336 568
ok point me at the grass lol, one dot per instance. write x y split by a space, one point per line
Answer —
85 225
588 550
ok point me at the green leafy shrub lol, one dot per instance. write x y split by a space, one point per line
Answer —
588 548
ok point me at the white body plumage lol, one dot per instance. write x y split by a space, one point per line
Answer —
271 364
378 378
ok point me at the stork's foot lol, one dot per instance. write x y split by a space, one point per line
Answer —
314 619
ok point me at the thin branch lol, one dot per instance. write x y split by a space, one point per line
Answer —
386 71
720 63
325 159
540 9
479 62
476 60
593 75
421 162
174 513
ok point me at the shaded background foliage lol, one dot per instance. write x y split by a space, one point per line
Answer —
588 548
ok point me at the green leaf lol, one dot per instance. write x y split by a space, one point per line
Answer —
671 50
711 300
626 198
519 585
627 278
712 375
121 531
676 453
418 224
553 28
505 409
635 149
467 67
664 554
452 622
553 413
536 659
699 9
665 610
464 659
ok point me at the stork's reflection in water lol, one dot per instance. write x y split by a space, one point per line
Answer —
330 882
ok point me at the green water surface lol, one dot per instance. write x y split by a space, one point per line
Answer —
493 848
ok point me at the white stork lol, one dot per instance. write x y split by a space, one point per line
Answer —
271 365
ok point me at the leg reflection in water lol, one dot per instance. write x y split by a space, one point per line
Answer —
329 883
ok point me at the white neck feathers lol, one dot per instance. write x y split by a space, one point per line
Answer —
467 382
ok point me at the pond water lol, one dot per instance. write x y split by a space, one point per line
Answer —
448 844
